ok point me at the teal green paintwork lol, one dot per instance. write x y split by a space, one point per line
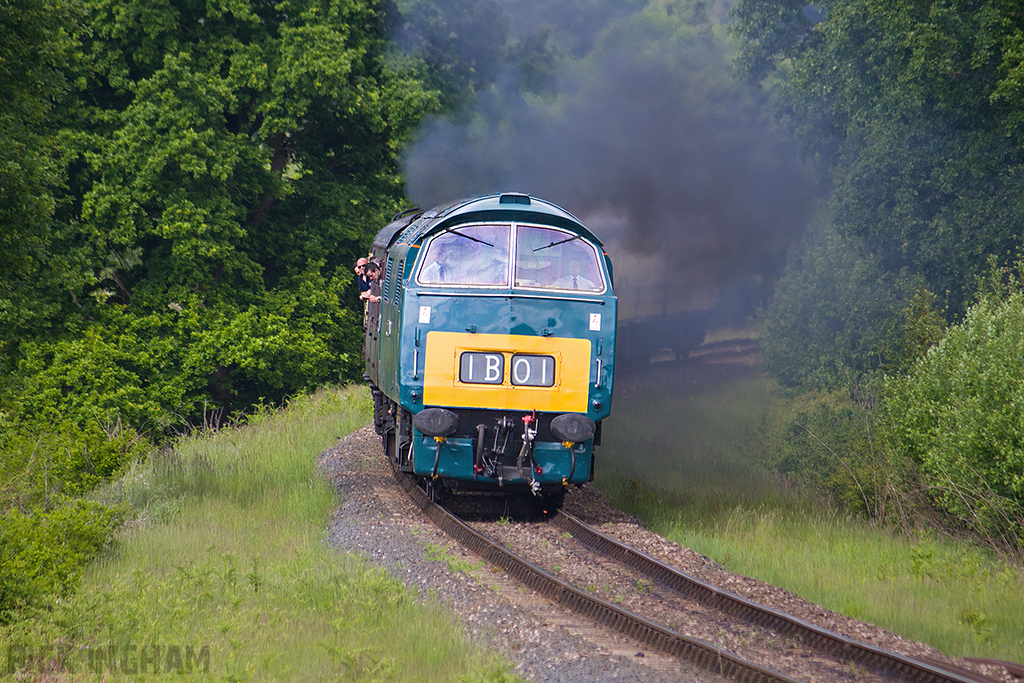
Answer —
402 336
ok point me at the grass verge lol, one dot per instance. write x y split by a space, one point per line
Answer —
685 459
226 575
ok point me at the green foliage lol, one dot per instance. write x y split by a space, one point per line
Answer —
46 535
35 44
42 553
959 415
41 465
907 107
156 370
772 32
836 315
223 166
822 441
921 325
95 376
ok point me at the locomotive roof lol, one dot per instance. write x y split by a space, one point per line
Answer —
495 207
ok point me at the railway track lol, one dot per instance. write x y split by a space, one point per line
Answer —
854 660
886 664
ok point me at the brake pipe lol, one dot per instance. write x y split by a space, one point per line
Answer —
572 460
437 454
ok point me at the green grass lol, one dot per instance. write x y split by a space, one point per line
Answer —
685 459
690 449
961 600
228 559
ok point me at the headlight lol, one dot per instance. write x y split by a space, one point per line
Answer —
573 427
436 422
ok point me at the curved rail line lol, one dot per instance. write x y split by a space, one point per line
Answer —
881 661
705 655
641 630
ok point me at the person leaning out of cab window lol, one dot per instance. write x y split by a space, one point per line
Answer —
373 278
361 281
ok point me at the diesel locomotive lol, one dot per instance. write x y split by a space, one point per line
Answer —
491 351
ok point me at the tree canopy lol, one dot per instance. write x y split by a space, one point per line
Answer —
214 169
911 109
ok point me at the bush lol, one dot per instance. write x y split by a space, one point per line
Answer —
46 538
42 553
834 315
822 441
959 416
43 463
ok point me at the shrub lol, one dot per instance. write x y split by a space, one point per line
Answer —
959 416
42 553
41 463
822 441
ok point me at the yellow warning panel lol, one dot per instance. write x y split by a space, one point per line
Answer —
506 371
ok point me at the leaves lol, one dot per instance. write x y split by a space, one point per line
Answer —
905 105
959 415
833 315
224 165
42 553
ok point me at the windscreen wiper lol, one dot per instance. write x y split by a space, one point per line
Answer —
555 244
468 237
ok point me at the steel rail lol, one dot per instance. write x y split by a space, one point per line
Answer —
704 655
881 661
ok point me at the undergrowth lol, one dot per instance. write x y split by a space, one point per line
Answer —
224 573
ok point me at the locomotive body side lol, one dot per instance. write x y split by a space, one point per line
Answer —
491 354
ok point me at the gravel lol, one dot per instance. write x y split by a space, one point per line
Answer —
376 519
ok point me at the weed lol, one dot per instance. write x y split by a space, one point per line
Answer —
435 552
978 623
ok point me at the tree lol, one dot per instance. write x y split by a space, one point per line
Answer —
35 44
907 106
226 162
824 326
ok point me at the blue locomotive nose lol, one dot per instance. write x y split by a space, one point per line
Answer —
573 428
490 346
436 422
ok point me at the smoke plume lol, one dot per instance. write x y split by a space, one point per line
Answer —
646 137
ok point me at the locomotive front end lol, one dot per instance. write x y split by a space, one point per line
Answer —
506 351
